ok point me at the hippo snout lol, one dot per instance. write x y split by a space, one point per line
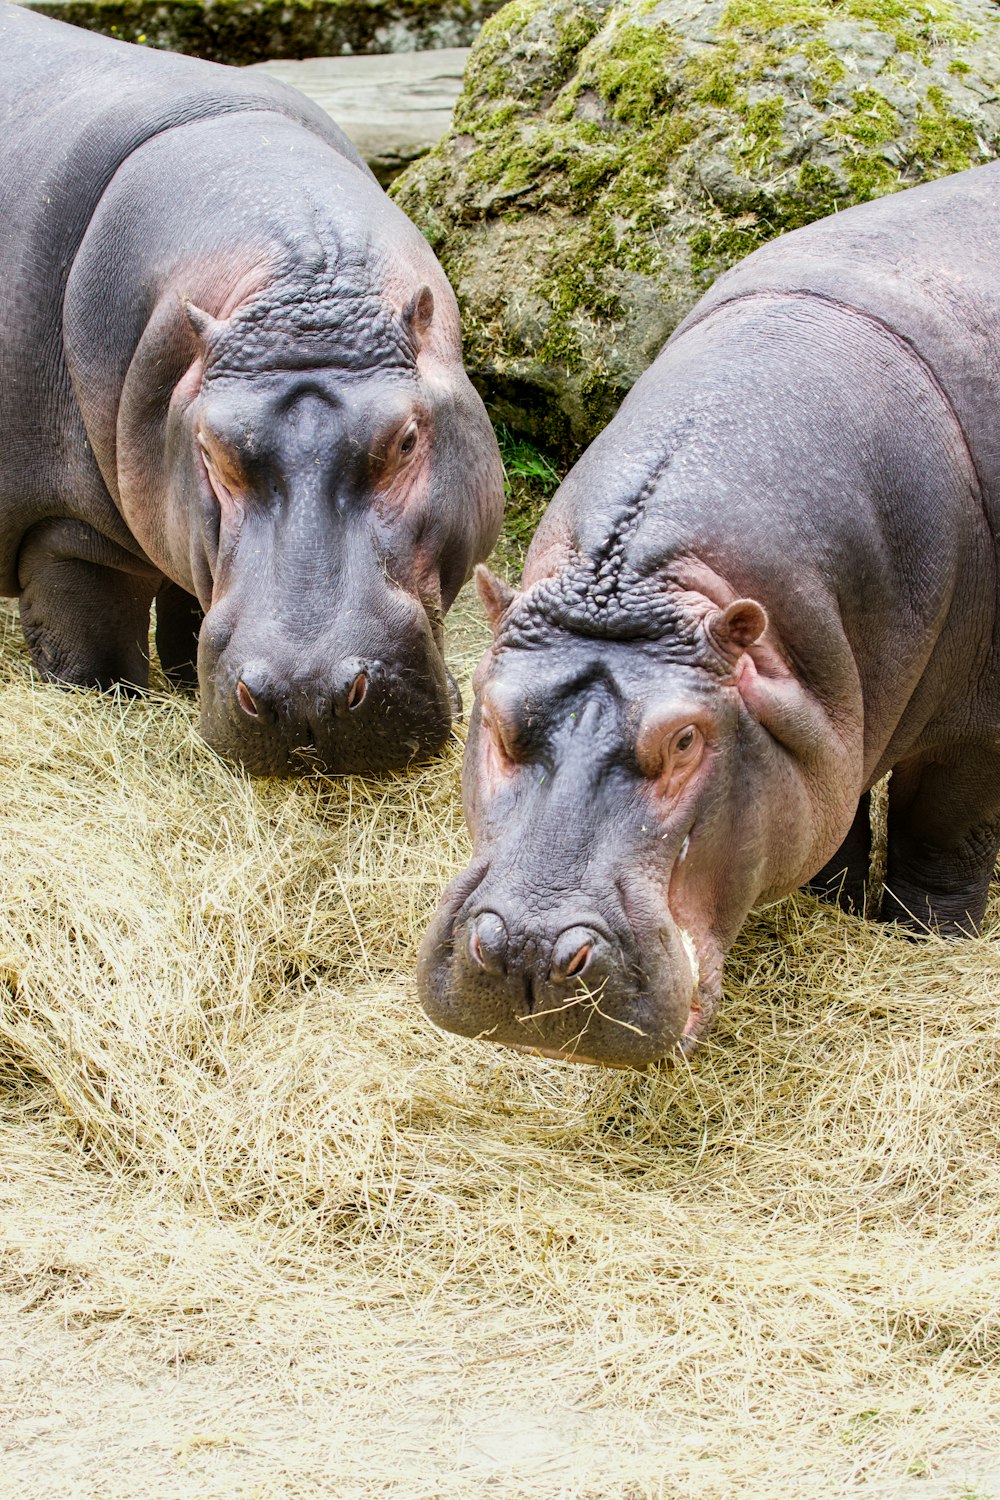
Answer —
261 694
571 983
361 714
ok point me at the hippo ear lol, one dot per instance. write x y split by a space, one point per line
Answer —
417 314
737 626
204 326
495 596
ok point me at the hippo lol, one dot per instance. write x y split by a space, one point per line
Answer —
230 384
771 580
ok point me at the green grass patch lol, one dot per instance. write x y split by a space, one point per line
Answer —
530 479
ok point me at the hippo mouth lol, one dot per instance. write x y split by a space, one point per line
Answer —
698 1021
399 717
647 997
645 1042
701 1013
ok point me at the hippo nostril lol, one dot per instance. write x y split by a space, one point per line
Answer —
245 699
488 943
572 954
579 961
357 690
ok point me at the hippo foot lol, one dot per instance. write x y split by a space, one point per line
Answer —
917 915
942 853
86 625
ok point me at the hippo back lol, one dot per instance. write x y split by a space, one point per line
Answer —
73 107
923 264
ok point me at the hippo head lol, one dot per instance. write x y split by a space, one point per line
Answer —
641 770
332 480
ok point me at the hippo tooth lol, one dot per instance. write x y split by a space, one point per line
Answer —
692 955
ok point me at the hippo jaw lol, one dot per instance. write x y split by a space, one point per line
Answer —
640 1011
346 703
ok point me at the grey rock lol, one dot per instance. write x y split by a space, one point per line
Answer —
394 106
608 159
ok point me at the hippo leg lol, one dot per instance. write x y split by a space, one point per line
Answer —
86 621
844 878
942 851
178 625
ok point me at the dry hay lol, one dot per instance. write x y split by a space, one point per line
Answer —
236 1154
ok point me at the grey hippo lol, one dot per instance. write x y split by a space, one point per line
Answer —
230 383
769 581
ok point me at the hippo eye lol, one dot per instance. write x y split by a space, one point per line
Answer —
681 759
497 743
409 442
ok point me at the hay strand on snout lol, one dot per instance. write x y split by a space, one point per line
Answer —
230 1135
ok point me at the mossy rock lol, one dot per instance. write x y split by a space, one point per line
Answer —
248 31
609 158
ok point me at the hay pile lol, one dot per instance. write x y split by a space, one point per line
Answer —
244 1172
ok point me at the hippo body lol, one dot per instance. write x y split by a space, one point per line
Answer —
771 580
230 381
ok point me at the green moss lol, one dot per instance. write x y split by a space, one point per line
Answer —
761 132
573 31
724 242
617 211
943 137
872 122
814 194
578 282
633 74
511 60
713 77
826 68
576 155
503 115
913 25
870 176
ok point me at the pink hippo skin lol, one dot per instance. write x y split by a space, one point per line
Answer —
230 381
771 580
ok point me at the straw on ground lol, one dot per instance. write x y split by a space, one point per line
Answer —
269 1233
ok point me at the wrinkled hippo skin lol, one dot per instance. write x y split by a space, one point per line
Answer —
230 381
772 579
